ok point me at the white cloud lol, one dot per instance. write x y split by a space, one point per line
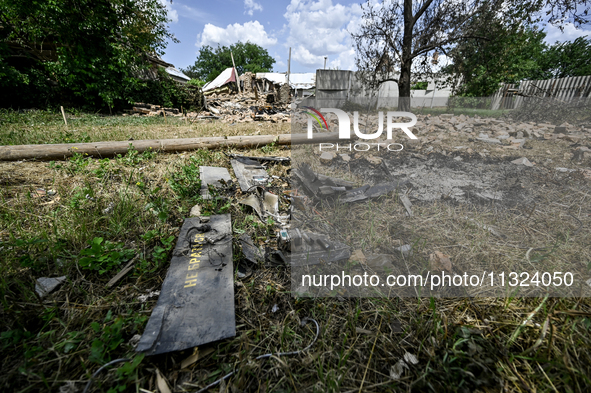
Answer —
173 15
553 34
321 28
249 31
252 6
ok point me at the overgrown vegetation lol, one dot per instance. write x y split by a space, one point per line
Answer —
136 203
84 54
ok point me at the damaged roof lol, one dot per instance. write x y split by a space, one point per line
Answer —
227 76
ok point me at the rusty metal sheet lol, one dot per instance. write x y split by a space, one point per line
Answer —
196 303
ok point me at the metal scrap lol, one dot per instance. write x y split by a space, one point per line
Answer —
308 248
196 302
250 173
212 175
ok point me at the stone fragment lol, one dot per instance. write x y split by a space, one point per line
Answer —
326 157
522 161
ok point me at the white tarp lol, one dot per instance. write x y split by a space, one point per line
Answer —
227 76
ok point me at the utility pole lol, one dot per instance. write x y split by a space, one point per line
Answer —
288 65
325 57
235 72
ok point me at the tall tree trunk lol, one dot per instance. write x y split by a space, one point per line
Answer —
405 66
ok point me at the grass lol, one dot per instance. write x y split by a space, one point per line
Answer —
136 204
38 127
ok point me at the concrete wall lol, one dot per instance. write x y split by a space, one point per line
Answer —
336 87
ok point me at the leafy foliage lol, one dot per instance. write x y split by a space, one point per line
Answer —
509 56
103 256
571 58
79 52
211 62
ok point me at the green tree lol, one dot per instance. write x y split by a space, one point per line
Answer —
398 38
211 62
508 56
82 52
571 58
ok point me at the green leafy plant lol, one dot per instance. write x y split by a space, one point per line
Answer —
103 256
133 157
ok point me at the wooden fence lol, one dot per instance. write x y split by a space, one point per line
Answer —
561 89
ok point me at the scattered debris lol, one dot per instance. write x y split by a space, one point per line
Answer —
45 285
308 248
380 262
140 108
405 250
196 303
212 175
407 205
195 211
144 298
438 261
326 157
123 272
250 173
358 256
398 369
264 203
251 252
522 161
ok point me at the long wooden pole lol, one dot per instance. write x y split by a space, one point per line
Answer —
235 72
109 149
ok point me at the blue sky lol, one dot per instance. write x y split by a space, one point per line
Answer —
312 28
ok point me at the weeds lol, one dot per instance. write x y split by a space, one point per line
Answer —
136 203
103 256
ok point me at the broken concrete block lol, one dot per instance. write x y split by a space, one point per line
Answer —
581 153
326 157
489 140
345 157
522 161
560 130
196 302
45 285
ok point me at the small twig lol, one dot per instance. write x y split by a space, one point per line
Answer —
370 355
123 272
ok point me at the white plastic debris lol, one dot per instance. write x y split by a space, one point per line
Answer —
45 285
